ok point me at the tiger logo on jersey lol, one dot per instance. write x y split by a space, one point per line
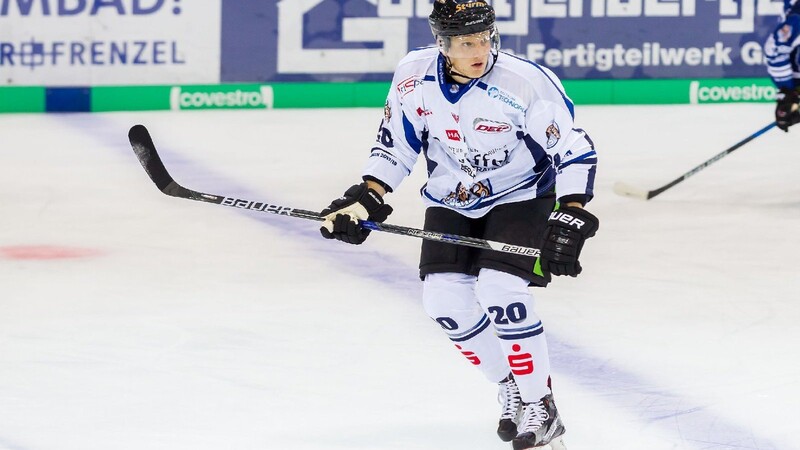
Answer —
462 197
553 134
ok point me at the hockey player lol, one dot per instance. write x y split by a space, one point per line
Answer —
783 64
497 134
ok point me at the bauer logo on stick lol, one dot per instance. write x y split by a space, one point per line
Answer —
256 206
521 250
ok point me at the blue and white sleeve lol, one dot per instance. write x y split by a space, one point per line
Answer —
778 49
571 151
400 140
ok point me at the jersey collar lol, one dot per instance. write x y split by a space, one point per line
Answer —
451 91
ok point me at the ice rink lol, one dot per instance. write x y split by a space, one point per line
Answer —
130 320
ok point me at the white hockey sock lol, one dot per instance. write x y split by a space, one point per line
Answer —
510 306
449 299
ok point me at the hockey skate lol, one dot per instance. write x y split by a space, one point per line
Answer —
509 397
540 426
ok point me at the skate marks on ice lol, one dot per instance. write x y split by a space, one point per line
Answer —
692 425
697 427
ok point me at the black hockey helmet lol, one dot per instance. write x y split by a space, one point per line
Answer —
461 17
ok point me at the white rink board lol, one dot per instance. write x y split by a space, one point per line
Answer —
94 43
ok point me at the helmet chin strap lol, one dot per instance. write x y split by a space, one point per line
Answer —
452 72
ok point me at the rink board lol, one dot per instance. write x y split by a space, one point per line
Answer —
365 94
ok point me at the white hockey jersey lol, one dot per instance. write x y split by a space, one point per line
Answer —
506 137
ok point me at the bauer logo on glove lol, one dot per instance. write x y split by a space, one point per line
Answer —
567 219
567 229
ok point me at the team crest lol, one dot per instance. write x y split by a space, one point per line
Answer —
462 197
387 111
553 134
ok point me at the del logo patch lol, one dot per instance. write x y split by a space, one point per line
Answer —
490 126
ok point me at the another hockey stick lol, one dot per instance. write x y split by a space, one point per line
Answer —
146 152
630 191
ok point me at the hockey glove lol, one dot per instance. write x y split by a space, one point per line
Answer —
567 229
343 214
784 116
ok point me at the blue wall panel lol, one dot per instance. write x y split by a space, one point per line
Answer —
68 99
594 39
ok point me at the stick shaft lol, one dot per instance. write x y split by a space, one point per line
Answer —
630 191
710 161
145 150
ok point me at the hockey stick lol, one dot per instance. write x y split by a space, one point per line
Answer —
627 190
145 150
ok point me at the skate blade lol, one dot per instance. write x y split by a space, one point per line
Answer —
555 444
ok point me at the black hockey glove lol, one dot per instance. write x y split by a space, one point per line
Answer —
784 116
567 229
342 216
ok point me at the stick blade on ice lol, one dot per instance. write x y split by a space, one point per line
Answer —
145 150
626 190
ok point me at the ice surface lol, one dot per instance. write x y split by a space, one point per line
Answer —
133 320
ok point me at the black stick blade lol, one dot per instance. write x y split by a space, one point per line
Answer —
145 150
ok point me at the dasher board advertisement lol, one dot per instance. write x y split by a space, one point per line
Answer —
106 42
362 40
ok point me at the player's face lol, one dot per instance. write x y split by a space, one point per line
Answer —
469 54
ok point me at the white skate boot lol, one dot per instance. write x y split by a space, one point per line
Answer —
511 400
540 426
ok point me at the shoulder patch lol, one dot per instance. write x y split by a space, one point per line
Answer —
553 134
387 111
784 33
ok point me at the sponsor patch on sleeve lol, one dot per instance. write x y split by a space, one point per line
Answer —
408 85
